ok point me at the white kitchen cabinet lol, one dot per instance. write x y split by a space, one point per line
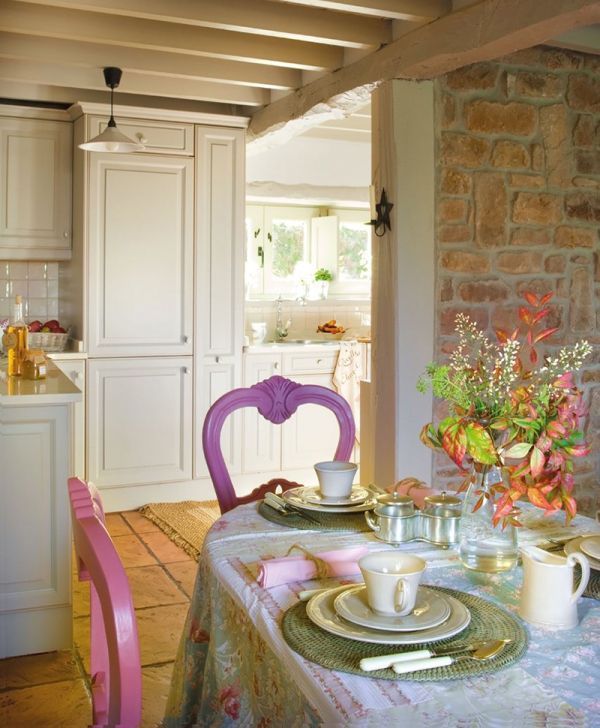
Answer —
262 439
219 304
35 532
158 137
35 189
74 369
139 420
140 270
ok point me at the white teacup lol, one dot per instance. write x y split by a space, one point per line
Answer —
392 580
335 478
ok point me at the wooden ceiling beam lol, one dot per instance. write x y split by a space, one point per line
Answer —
18 17
259 16
55 74
486 30
416 10
96 55
65 95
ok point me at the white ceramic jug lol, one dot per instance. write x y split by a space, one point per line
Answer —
548 597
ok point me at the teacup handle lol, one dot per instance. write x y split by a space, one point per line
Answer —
585 573
401 595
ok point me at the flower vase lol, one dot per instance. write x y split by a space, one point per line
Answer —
324 289
483 546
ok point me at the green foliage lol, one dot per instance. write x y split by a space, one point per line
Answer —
353 252
288 247
323 275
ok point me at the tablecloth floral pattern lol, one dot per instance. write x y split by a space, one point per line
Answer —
234 668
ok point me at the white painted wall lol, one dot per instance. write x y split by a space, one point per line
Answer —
307 160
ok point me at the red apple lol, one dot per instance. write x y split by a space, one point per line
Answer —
52 325
35 326
59 330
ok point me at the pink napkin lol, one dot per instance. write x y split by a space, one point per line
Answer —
416 489
343 562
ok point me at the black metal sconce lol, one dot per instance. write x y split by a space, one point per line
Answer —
382 221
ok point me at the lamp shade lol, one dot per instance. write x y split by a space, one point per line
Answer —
111 140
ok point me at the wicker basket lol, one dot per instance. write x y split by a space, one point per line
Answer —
47 341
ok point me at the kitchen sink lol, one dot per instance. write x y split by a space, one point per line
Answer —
305 342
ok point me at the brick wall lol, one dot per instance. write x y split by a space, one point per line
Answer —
518 207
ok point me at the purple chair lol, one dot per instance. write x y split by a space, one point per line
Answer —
115 652
276 398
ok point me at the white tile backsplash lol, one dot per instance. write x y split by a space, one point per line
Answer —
36 281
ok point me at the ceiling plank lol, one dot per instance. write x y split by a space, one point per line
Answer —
96 55
17 17
14 90
91 78
486 30
259 16
394 9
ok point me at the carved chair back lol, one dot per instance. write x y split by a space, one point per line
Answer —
115 653
277 399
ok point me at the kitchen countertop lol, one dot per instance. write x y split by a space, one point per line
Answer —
56 388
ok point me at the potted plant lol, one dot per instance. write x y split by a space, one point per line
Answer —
514 426
323 278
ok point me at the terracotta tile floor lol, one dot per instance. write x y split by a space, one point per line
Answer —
52 689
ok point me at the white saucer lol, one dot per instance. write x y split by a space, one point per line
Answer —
591 546
575 545
320 610
352 605
295 497
313 495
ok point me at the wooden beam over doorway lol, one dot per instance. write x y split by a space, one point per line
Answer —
483 31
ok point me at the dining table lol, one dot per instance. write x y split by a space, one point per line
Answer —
235 667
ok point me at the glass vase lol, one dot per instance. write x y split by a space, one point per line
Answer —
483 546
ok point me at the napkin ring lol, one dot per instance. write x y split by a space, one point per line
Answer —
320 565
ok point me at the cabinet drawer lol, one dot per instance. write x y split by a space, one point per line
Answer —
309 362
158 137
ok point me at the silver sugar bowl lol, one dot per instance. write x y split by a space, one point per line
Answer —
440 519
394 519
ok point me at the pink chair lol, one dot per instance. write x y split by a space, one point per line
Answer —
276 398
115 652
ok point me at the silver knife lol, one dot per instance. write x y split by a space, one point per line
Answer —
279 504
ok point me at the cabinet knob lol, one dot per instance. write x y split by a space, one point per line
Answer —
75 375
66 234
276 365
185 370
141 138
319 361
185 339
216 359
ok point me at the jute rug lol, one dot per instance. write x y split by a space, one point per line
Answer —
186 523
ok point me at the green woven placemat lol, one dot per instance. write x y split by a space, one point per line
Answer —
349 522
488 621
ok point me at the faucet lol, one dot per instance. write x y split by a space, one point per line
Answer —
281 330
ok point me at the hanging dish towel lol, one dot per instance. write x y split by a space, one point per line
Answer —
347 375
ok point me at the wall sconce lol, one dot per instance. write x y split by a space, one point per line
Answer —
111 139
381 221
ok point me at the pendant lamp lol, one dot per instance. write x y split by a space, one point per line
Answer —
111 139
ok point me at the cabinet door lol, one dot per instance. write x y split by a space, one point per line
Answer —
262 439
217 376
141 255
35 530
35 189
312 433
139 427
75 370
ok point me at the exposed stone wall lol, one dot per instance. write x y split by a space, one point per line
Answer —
518 208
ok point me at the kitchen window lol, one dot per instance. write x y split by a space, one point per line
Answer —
286 243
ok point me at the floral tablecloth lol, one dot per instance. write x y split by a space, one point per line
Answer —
235 669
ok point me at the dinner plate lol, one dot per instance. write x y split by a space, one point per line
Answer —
575 545
353 606
313 495
321 611
295 498
591 547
